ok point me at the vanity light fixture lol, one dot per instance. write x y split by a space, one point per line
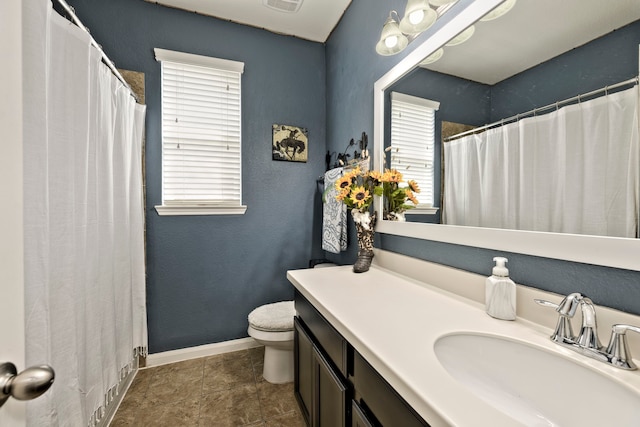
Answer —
499 11
419 15
462 37
433 57
438 3
392 40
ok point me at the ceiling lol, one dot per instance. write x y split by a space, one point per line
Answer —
533 31
314 20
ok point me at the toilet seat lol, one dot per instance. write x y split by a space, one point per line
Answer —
275 317
270 336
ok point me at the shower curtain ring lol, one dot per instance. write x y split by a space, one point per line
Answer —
606 90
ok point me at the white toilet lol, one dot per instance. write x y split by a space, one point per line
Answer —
272 326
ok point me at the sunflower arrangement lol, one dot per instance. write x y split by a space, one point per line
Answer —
357 188
395 196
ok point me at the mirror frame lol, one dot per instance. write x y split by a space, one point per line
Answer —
599 250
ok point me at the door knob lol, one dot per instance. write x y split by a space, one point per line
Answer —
26 385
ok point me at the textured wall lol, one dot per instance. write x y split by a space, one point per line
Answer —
352 69
605 61
205 273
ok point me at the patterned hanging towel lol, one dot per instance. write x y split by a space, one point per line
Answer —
334 215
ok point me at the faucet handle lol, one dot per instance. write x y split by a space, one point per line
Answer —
545 303
563 332
618 348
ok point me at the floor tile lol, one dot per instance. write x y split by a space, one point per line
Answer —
256 354
183 413
276 399
292 419
217 391
238 406
226 371
171 383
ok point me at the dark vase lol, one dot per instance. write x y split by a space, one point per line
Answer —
365 246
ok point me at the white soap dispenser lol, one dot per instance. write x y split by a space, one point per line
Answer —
500 298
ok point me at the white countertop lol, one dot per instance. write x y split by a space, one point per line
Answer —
394 321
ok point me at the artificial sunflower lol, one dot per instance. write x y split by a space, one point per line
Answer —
343 183
376 176
360 196
413 185
409 194
392 175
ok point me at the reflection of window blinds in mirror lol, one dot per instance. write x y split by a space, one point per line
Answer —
412 141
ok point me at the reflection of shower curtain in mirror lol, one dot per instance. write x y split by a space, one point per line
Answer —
575 170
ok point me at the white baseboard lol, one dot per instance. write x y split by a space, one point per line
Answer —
183 354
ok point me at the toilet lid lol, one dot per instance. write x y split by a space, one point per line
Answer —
276 317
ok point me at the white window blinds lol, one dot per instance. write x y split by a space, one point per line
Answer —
201 123
412 141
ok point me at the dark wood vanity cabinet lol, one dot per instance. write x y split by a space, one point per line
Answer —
334 384
320 357
378 401
321 392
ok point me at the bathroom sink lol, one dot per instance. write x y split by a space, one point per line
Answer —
534 386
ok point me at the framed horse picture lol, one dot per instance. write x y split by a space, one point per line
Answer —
290 143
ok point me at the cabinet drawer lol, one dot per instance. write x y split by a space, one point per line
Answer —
381 401
329 339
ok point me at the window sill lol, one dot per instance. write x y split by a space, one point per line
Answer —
422 211
164 210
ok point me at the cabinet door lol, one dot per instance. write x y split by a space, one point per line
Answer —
358 417
304 370
331 402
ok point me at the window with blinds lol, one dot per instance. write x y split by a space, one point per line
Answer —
412 142
201 134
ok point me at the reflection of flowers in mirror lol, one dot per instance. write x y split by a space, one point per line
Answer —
395 196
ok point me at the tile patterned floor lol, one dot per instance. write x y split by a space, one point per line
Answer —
217 391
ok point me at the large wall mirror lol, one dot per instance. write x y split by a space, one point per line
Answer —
516 72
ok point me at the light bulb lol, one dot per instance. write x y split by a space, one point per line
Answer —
391 41
416 16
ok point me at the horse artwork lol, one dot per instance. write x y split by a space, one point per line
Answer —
290 143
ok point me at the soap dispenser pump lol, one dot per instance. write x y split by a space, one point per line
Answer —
500 297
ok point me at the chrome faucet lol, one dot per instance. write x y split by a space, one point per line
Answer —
587 342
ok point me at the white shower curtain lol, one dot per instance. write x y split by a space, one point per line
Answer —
575 170
84 224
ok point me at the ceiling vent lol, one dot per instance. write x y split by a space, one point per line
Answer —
290 6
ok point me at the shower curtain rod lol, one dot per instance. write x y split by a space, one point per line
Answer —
555 105
72 13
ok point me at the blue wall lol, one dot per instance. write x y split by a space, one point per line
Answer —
206 273
352 68
605 61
